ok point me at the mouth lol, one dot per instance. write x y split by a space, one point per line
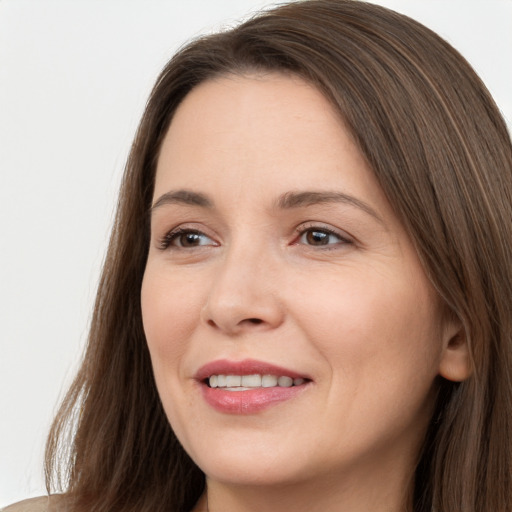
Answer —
248 382
249 386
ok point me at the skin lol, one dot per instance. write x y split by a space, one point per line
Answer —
355 313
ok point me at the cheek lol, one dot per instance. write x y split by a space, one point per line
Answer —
378 332
382 345
170 309
169 317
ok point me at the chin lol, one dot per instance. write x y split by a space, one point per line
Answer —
246 460
263 472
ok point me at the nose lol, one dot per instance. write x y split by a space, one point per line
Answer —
244 294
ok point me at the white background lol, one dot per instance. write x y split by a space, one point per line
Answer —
74 77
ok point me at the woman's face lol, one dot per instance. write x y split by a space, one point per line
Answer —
275 259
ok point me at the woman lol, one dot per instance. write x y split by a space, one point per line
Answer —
306 303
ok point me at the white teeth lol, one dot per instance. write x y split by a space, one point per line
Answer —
251 381
244 382
269 381
233 381
285 382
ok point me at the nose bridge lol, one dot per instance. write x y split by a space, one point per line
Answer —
243 293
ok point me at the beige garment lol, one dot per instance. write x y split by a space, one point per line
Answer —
41 504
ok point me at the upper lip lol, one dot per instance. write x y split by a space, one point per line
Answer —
245 367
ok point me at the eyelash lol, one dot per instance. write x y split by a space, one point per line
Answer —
342 240
173 235
167 241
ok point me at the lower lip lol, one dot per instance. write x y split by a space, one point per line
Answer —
250 401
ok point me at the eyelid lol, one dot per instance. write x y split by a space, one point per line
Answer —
344 238
166 241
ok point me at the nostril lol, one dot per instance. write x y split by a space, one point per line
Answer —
253 321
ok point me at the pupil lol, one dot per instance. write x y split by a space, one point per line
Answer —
317 237
190 239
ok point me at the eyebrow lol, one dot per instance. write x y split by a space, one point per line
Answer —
186 197
287 201
291 200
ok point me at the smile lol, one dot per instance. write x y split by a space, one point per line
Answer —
246 382
249 386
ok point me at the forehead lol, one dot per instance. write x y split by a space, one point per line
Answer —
262 112
263 133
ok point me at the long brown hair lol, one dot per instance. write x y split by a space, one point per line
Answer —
436 142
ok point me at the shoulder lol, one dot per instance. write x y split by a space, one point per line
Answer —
41 504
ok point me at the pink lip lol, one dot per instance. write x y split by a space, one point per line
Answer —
250 401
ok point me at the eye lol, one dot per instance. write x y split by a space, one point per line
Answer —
185 239
321 237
